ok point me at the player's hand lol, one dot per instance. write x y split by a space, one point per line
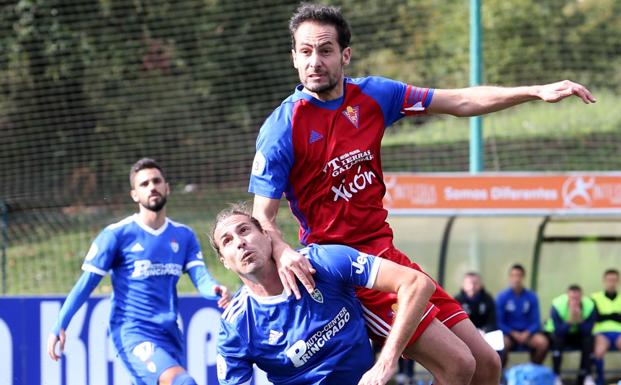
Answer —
379 374
558 91
292 264
225 296
52 340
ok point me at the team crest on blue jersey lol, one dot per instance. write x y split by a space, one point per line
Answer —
317 296
174 246
352 114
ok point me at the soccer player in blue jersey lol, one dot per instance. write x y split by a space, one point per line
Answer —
320 148
321 338
146 254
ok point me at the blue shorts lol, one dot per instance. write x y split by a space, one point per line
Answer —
148 359
612 338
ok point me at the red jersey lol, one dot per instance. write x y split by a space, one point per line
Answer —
325 158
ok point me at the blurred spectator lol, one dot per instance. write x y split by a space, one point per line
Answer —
477 302
607 327
571 321
517 315
405 376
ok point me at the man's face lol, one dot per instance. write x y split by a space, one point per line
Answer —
611 282
471 285
575 296
150 189
318 57
516 279
243 247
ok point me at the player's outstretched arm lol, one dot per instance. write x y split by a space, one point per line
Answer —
481 100
78 295
414 289
290 263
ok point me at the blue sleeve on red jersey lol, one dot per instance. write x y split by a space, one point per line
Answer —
101 254
233 363
345 264
274 157
396 99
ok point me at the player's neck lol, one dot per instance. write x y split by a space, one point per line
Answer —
262 286
153 219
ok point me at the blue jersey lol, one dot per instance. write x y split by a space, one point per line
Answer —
145 265
319 339
518 312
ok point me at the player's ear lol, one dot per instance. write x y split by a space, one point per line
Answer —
167 189
295 63
346 56
134 195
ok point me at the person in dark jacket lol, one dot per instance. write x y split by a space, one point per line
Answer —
477 302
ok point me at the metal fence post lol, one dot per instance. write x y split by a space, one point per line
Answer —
4 240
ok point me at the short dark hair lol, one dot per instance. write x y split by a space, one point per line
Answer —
142 164
472 274
322 14
574 287
233 209
611 271
517 266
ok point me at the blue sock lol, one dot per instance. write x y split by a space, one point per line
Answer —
183 379
599 369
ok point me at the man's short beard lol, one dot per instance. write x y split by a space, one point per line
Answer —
323 88
157 206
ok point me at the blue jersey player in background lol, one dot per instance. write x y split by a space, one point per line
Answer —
321 338
145 254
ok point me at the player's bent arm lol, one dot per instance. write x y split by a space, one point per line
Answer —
291 264
76 298
481 100
414 289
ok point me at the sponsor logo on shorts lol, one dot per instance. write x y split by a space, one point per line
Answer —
301 351
144 351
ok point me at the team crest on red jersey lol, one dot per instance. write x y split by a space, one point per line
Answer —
352 114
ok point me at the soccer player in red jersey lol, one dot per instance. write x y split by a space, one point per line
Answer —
321 148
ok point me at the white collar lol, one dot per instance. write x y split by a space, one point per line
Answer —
150 230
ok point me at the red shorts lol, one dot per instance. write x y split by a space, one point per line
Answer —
379 307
